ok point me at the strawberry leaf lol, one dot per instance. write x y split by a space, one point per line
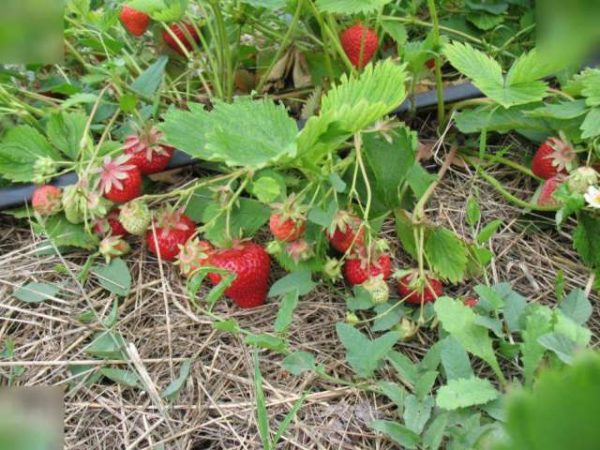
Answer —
120 376
350 6
460 322
362 353
299 362
465 392
399 433
20 149
173 389
446 254
350 106
522 83
245 133
65 132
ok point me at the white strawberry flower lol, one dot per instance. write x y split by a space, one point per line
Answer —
592 197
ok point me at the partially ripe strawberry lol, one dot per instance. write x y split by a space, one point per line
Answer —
299 250
358 268
360 44
182 32
173 228
470 302
134 21
348 231
251 265
109 224
286 229
546 197
120 181
552 157
288 220
146 152
416 290
46 200
193 255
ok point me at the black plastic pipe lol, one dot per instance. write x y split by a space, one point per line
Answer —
20 194
17 195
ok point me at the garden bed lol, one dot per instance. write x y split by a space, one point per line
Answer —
306 224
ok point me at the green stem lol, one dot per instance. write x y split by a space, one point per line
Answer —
507 195
283 46
466 36
439 86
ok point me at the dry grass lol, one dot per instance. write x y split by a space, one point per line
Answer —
216 407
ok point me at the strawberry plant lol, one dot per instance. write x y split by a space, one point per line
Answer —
249 210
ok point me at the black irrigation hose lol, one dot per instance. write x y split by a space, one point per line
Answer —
17 195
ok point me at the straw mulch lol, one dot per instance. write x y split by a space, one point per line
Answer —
215 409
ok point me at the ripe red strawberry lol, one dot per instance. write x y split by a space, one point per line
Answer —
358 268
134 21
470 302
119 180
552 157
182 32
288 220
360 44
251 265
347 232
430 63
110 224
46 200
415 290
173 229
546 197
146 152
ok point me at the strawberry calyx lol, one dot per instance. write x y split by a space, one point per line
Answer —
562 155
290 209
148 141
170 218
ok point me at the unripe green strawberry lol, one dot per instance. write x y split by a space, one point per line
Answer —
581 179
351 318
113 247
44 169
407 329
377 289
333 269
135 217
74 204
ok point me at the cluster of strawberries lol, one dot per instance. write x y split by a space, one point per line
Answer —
137 23
371 265
118 212
368 265
555 162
